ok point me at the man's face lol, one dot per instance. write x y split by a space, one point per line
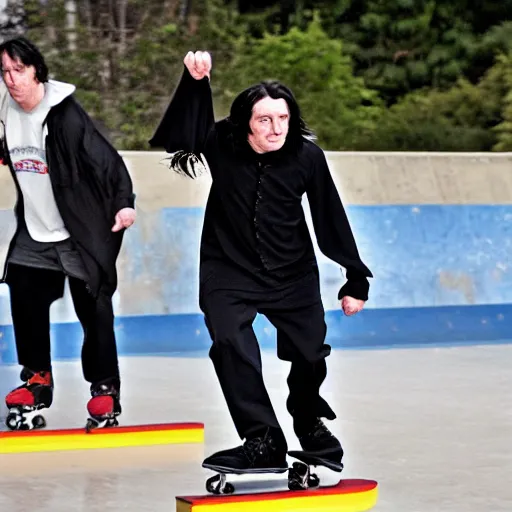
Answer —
20 80
268 125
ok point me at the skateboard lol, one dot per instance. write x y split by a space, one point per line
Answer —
300 477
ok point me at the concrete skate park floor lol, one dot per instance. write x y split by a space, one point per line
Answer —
432 425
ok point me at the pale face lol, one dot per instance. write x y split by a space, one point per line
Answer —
20 80
268 125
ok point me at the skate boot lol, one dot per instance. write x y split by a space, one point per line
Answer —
265 453
26 402
319 443
104 406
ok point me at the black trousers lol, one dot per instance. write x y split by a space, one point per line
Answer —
32 291
230 304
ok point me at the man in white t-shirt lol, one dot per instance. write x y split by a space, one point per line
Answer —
75 200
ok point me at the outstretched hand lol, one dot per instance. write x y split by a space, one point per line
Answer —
199 64
351 306
124 219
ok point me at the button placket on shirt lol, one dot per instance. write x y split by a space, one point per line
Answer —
256 208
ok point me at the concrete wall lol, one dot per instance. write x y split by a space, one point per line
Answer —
436 230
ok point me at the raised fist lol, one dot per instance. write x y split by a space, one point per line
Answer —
199 64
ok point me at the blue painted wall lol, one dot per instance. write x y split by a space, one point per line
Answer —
420 255
442 275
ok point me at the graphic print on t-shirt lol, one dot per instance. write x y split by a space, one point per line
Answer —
42 217
29 159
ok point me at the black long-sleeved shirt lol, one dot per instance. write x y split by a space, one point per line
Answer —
254 217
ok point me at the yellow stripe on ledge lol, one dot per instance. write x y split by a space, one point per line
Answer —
115 437
346 496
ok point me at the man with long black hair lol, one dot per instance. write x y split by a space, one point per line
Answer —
75 200
257 256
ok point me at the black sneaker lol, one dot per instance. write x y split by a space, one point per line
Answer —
320 442
261 454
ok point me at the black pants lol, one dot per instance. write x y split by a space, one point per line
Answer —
32 291
296 311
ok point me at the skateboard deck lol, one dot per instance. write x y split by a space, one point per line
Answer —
351 495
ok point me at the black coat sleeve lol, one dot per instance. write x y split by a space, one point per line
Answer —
108 165
87 155
110 169
332 228
188 121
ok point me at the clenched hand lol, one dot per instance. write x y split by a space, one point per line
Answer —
351 306
199 64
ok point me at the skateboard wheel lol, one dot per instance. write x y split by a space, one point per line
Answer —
313 480
295 485
213 484
228 489
299 477
217 485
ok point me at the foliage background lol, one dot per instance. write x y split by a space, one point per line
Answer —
377 75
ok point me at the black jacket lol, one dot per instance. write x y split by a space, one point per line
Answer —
91 184
254 218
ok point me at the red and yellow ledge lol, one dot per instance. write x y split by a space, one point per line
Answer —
116 437
347 496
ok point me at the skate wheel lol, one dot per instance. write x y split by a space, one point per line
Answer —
38 422
13 421
90 425
113 423
94 424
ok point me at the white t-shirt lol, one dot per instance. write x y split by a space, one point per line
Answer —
26 142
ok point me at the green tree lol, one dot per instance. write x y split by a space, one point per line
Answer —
340 57
504 129
125 67
403 45
462 118
335 104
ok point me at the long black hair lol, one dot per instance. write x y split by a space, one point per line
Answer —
234 129
27 52
241 112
